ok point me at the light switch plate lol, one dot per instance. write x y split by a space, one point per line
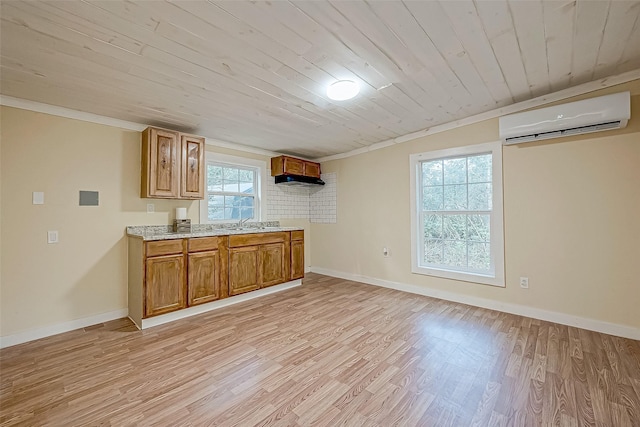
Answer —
38 198
52 236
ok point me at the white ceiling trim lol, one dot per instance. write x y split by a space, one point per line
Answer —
582 89
39 107
510 109
234 146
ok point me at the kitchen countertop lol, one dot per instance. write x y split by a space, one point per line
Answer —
164 232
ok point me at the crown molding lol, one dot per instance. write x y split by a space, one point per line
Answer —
39 107
582 89
509 109
54 110
243 148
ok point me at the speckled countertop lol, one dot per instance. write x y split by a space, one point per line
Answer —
164 232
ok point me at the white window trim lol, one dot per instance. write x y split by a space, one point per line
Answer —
261 191
497 221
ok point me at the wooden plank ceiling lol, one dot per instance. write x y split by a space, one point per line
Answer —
255 73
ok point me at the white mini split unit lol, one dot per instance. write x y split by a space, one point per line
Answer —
575 118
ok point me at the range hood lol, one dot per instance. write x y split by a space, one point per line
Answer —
293 171
298 180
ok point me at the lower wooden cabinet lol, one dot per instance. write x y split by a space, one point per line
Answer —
204 277
169 275
273 262
258 260
165 287
297 254
206 269
243 270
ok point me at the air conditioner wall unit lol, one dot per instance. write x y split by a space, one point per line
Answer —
574 118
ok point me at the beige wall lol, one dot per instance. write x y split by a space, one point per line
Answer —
85 274
571 214
571 219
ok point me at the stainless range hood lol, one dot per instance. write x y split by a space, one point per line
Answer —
298 180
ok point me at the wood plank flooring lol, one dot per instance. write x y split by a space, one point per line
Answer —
329 353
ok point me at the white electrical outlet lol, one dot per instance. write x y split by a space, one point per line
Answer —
524 282
385 251
151 208
52 236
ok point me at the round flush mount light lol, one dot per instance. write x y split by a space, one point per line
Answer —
343 90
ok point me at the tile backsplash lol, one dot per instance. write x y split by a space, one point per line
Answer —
323 203
318 204
287 201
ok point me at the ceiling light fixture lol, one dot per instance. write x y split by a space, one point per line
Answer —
343 90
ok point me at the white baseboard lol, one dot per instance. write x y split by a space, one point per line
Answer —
214 305
521 310
47 331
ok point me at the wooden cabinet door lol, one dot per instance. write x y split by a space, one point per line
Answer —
297 259
204 277
161 165
312 169
273 263
243 270
293 166
165 289
192 170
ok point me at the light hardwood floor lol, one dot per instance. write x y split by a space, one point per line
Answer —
332 352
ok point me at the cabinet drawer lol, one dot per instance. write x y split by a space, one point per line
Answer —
257 239
203 244
164 247
297 235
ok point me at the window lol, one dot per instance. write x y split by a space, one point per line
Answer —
233 189
457 214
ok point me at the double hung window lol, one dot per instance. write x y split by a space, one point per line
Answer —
457 214
233 189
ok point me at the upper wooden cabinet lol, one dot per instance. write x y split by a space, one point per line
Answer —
312 169
160 163
192 183
172 165
285 165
